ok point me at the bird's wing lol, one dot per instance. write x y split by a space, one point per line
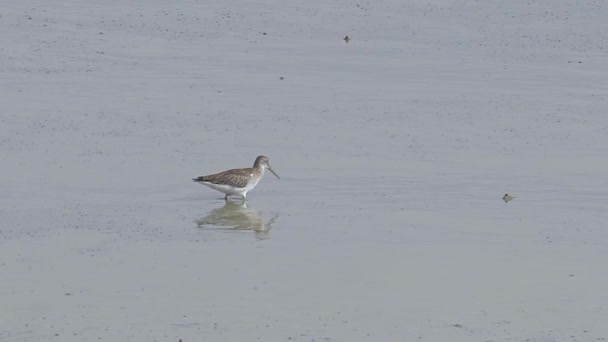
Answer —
235 177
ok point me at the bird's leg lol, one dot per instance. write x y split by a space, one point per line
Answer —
226 198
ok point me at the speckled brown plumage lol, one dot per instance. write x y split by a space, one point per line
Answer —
237 181
235 177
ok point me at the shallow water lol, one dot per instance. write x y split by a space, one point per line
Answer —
394 151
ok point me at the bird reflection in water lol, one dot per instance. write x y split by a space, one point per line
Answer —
237 216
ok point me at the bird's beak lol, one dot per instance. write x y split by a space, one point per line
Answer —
274 173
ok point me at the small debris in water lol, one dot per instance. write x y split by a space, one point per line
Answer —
507 198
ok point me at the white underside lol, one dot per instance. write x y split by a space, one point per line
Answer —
231 190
